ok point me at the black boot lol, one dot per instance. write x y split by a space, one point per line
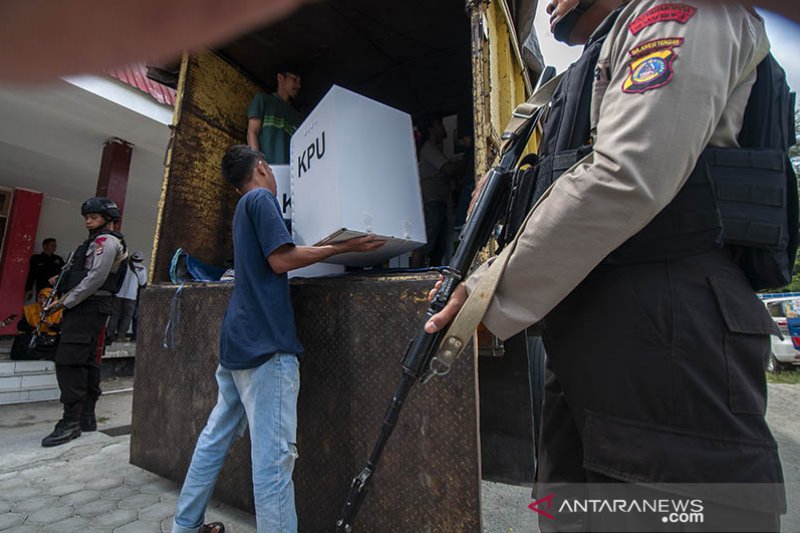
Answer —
67 428
88 420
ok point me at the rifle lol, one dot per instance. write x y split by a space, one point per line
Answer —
419 362
64 269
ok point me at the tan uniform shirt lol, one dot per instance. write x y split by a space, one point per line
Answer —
667 85
103 257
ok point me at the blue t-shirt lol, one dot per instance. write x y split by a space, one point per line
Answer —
259 321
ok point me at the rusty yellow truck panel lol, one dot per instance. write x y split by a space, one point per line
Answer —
196 207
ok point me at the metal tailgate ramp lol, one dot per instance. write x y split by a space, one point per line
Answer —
353 329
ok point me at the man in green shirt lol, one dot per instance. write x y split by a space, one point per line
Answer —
272 120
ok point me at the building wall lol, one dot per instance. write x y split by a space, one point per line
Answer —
51 141
61 219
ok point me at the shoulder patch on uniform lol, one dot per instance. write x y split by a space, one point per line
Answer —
655 45
98 245
651 65
680 13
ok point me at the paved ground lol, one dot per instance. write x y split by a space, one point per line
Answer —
783 415
88 485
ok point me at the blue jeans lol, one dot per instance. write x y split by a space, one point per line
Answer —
265 398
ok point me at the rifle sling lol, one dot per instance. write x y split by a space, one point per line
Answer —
526 111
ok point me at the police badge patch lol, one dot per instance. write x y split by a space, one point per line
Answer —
98 243
680 13
651 66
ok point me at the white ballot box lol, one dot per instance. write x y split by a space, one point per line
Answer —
284 185
353 172
284 197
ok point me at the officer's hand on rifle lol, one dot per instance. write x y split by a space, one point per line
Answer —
446 315
52 281
53 308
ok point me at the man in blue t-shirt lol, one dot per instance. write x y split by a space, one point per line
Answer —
258 374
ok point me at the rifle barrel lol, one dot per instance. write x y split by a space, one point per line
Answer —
417 360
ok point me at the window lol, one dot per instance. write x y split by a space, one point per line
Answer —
790 308
776 310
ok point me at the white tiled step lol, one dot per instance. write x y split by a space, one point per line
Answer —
119 350
27 381
35 394
11 368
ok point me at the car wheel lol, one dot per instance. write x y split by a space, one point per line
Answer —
773 365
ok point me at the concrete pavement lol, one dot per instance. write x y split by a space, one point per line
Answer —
783 415
89 485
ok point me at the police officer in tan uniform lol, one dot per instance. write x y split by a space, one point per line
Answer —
95 275
656 345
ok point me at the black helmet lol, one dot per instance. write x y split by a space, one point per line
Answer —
103 206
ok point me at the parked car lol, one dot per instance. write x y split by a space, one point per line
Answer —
785 312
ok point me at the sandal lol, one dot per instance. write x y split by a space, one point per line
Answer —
213 527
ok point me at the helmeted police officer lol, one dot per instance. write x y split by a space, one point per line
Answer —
95 274
641 258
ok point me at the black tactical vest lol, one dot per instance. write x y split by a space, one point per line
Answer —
78 270
745 198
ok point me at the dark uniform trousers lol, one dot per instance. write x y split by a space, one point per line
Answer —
656 373
76 366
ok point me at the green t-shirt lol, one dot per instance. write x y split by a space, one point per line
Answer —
279 120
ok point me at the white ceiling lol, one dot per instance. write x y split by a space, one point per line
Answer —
51 140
